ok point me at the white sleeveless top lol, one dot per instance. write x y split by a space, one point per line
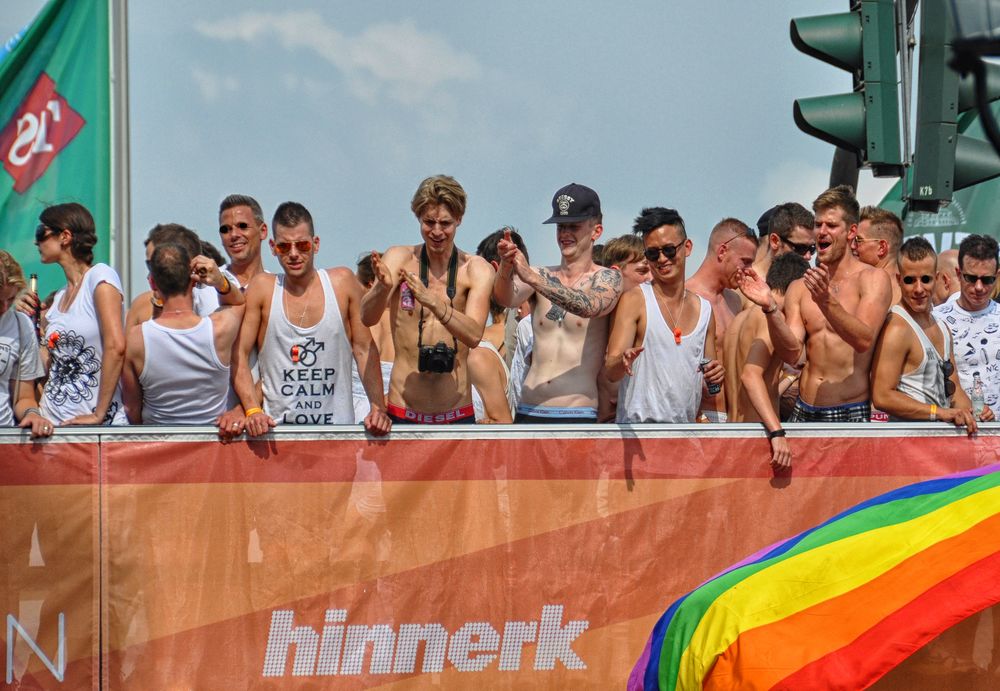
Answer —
477 400
75 355
666 382
306 372
183 382
926 382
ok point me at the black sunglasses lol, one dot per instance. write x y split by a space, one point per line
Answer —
669 251
43 233
947 369
925 279
800 248
242 225
972 278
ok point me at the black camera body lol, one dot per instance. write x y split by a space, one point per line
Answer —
438 358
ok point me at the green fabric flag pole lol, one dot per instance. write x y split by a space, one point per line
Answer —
55 128
974 209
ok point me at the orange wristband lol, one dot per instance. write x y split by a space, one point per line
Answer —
254 411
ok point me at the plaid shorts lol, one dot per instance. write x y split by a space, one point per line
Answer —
850 412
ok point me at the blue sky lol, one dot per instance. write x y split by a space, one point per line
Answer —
345 107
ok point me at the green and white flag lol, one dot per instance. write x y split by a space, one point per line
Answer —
974 209
55 127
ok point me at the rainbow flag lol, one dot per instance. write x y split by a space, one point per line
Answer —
839 605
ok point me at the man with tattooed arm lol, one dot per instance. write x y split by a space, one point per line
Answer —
570 318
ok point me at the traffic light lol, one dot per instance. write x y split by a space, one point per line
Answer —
866 121
945 161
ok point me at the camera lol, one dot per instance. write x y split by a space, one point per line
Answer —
437 358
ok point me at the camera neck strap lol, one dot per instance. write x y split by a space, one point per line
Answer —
452 276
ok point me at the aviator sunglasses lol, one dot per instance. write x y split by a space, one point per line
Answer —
669 251
925 279
302 246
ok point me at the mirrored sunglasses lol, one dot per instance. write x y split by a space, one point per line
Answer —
302 246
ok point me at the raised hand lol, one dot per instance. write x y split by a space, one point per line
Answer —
754 288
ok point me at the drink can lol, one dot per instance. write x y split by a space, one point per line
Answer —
406 300
713 389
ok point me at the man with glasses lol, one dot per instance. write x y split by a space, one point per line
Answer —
973 318
662 332
913 371
789 228
306 326
570 316
242 229
833 315
876 243
731 250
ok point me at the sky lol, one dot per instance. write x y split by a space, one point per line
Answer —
346 107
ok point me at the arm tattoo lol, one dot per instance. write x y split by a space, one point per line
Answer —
594 298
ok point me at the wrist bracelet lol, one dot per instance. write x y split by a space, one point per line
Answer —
229 286
775 433
29 411
772 310
445 321
254 411
933 412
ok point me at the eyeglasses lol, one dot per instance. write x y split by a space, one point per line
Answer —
947 369
224 229
800 248
858 239
652 254
302 246
43 233
925 279
971 279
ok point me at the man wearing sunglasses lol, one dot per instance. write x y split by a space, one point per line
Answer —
570 316
242 229
306 326
913 371
877 241
732 247
974 318
439 298
661 332
833 315
789 228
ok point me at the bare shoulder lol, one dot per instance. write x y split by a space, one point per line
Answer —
140 310
133 340
341 274
397 255
260 286
477 267
632 301
874 278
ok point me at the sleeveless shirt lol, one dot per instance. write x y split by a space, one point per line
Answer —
926 382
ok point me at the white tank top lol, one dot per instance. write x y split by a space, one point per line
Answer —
666 382
183 382
926 382
75 353
306 372
477 400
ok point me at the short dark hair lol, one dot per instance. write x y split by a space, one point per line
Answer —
785 269
209 250
170 267
365 272
291 214
981 247
177 234
79 222
234 200
487 248
653 217
787 217
915 249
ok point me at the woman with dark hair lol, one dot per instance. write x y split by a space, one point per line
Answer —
83 327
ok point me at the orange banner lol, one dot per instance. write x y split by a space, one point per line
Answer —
506 558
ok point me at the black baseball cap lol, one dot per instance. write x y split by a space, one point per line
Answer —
574 203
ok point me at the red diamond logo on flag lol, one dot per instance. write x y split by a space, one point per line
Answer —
40 128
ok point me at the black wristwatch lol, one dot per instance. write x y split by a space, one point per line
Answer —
775 433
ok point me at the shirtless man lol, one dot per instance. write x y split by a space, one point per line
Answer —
753 371
570 316
913 372
880 233
306 325
833 313
671 325
732 246
438 298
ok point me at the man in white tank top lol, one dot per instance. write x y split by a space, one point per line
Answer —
176 368
306 326
913 370
661 332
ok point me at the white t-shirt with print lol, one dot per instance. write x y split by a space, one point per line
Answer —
976 343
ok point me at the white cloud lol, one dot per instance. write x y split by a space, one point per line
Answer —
212 86
398 59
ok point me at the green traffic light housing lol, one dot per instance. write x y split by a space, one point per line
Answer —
866 120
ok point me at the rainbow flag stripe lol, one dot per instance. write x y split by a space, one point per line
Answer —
840 604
